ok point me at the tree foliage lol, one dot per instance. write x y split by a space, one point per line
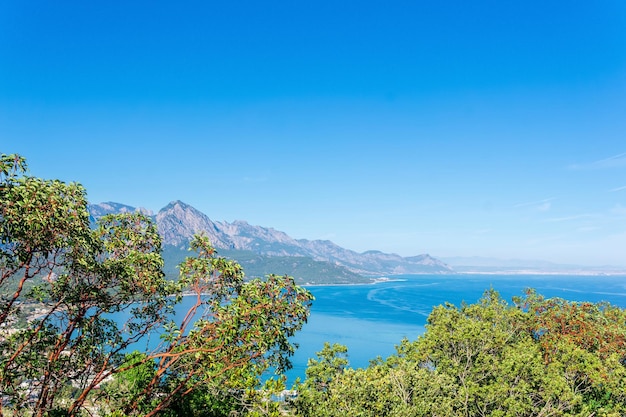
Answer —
74 301
537 357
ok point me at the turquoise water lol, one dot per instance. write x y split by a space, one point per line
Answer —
371 319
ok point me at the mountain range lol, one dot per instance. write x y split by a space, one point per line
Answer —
263 250
486 265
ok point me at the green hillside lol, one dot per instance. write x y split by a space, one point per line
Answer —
304 269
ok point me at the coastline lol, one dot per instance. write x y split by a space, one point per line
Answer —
493 273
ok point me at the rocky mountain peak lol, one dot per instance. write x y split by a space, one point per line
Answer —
178 222
109 207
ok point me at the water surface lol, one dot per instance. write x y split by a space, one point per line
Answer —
371 319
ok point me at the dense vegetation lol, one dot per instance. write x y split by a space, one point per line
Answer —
305 270
537 357
74 300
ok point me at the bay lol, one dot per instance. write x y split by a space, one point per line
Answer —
371 319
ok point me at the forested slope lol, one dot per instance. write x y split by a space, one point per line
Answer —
536 357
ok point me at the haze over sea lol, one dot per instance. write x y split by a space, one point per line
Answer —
372 318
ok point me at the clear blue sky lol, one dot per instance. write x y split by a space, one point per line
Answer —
454 128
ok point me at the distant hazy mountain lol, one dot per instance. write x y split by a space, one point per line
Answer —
487 264
474 261
178 222
99 210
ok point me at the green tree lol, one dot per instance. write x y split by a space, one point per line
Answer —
585 345
537 357
78 282
235 332
331 362
129 384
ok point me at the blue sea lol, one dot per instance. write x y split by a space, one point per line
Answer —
372 319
